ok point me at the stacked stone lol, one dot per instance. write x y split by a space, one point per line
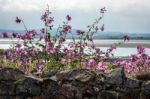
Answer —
73 84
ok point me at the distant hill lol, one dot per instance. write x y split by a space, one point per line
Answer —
99 35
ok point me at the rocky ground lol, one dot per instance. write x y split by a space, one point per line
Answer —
74 84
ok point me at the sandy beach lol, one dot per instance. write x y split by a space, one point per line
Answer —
98 43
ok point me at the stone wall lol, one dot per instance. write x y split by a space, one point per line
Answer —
74 84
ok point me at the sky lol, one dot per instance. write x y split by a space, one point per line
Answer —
121 16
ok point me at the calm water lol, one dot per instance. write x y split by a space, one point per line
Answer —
123 51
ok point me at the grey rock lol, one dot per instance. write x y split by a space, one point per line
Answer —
50 88
8 97
70 91
49 73
146 88
108 95
7 88
10 74
82 75
62 75
130 83
28 87
116 76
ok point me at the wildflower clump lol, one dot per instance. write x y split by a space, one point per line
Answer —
48 50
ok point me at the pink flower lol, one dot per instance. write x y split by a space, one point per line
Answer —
18 20
42 30
24 63
68 18
5 35
66 28
110 49
132 57
90 63
49 20
129 67
101 66
18 47
28 35
120 63
71 45
5 53
139 62
107 55
42 37
14 35
63 60
61 40
44 16
138 55
40 65
126 38
93 45
79 32
140 49
49 49
70 54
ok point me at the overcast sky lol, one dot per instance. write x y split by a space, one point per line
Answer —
121 16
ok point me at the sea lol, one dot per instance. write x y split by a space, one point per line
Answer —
102 41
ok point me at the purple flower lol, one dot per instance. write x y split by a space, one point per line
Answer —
90 63
49 49
79 32
49 20
61 40
139 62
68 18
66 28
42 37
107 54
40 65
18 20
44 16
93 45
71 45
140 49
126 38
5 53
101 66
132 57
14 35
5 35
63 60
18 47
24 63
70 54
42 30
121 63
110 49
129 67
28 35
